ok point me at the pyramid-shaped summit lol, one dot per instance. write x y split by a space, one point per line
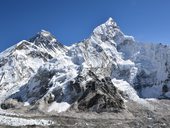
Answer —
111 22
45 39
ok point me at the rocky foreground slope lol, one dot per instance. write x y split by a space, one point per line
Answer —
107 73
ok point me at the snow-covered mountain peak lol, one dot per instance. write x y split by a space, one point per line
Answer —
45 38
44 33
108 33
111 22
46 41
108 27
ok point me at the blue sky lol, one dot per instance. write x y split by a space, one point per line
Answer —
73 20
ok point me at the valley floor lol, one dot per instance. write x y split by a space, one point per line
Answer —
154 115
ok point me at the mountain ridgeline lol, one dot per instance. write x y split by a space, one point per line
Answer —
98 74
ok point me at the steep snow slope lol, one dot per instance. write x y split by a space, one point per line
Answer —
46 72
153 64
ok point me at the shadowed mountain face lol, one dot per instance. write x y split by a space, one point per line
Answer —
97 74
46 39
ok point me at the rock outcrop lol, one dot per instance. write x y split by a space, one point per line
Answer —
99 96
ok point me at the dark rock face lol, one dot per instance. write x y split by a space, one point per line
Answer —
96 95
38 54
99 96
45 39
